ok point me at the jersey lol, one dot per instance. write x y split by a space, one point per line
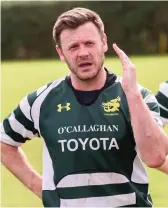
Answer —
162 97
89 154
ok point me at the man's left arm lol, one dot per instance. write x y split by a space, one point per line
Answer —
151 140
164 167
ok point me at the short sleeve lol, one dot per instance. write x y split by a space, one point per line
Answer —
153 105
18 127
162 98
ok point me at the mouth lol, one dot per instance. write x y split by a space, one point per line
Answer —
85 64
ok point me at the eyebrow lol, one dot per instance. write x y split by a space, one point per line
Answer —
76 43
72 44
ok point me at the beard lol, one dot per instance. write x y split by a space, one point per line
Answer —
88 76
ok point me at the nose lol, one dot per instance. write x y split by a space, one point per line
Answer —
83 51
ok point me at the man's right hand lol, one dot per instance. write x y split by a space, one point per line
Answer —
14 159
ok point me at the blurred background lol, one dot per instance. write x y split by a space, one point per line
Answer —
140 27
29 61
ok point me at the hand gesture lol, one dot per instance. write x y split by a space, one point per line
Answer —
129 83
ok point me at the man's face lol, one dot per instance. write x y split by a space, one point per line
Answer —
83 50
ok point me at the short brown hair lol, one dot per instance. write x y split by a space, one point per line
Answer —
73 19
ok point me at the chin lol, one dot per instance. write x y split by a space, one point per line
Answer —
87 77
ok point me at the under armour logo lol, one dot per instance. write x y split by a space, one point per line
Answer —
67 107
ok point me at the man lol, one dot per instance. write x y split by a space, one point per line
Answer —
95 125
162 97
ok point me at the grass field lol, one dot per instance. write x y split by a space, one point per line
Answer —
20 78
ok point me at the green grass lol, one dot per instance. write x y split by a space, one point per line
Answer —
20 78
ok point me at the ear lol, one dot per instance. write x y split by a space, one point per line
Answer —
59 51
105 46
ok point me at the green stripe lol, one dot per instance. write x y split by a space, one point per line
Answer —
144 93
141 191
153 107
162 99
21 118
31 98
163 113
133 205
50 198
14 135
94 191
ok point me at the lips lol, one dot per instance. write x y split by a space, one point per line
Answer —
85 64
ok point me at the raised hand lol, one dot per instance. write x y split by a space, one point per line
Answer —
129 83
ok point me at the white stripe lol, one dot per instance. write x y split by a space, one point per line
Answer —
48 172
155 114
150 98
19 128
89 179
119 79
37 103
164 120
157 118
161 106
25 108
149 201
139 174
6 139
164 88
140 87
104 201
41 89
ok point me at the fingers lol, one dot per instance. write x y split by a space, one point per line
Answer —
123 57
117 50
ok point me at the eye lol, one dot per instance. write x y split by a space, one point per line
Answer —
73 47
89 43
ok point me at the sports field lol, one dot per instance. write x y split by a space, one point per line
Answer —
20 78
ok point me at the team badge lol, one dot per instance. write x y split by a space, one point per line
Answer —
112 105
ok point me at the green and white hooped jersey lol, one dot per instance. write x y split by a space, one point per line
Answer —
89 157
162 97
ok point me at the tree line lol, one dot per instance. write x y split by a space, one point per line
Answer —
139 27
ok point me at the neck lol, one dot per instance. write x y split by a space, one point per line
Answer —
89 85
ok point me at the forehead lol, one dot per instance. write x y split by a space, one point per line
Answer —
83 32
